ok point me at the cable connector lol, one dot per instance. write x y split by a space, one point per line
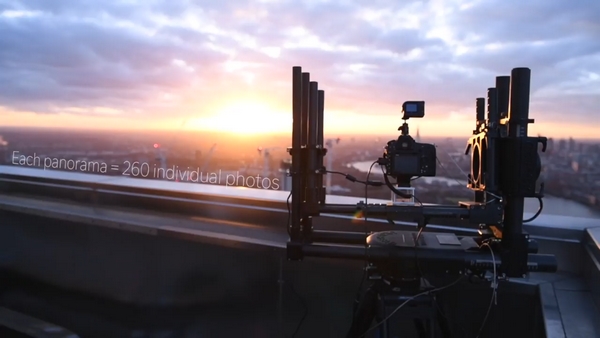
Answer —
371 183
382 161
540 193
352 178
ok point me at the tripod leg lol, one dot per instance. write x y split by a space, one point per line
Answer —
443 321
380 317
364 314
421 328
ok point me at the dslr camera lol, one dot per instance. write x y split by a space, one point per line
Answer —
406 158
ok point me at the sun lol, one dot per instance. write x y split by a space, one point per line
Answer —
245 118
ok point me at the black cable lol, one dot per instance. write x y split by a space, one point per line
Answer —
362 280
539 211
354 179
289 214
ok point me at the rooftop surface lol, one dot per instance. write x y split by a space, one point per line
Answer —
569 300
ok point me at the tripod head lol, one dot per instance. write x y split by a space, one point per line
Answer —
504 168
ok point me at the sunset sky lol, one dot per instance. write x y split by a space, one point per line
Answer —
227 65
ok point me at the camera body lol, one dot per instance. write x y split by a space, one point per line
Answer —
407 158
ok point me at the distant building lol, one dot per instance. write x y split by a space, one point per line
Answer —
575 166
3 151
572 144
550 144
198 158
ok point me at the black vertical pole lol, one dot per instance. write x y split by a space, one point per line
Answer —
492 108
321 144
492 155
305 105
313 120
305 218
480 109
518 111
502 97
295 152
518 115
502 94
311 207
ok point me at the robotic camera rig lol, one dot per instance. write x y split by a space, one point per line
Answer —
505 166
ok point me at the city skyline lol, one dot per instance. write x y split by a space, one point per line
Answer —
569 167
284 135
227 66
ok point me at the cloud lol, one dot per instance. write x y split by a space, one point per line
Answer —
49 60
155 57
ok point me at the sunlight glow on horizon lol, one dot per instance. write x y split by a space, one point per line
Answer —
251 118
243 118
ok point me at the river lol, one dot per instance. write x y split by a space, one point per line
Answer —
552 205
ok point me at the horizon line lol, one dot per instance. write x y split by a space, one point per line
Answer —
252 135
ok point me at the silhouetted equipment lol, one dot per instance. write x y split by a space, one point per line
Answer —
505 166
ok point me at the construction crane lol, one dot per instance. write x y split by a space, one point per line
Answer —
330 146
266 154
208 157
161 157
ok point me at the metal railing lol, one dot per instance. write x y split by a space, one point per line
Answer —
182 197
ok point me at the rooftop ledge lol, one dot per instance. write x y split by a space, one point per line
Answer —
552 227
